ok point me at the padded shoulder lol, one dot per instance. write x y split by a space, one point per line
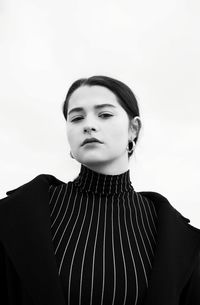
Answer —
41 178
22 186
154 196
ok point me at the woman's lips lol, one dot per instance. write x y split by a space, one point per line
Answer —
90 140
94 142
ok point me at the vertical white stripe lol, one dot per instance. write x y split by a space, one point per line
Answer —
140 230
155 212
60 206
154 209
54 190
69 237
121 180
80 177
136 278
91 179
104 236
97 183
85 180
148 205
55 204
72 261
93 258
85 251
147 218
136 236
110 184
113 252
120 236
104 182
145 228
116 185
50 187
65 212
126 182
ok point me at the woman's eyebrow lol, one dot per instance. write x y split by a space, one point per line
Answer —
79 109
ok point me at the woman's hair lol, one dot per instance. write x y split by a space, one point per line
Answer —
123 93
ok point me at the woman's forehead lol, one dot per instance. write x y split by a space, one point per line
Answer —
92 95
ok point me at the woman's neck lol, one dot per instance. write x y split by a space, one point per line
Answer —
109 168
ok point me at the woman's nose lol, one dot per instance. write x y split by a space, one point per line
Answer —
89 129
90 124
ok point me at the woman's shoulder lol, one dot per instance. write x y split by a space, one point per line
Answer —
39 180
164 206
21 186
154 196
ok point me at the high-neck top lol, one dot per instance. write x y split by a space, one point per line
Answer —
104 238
91 181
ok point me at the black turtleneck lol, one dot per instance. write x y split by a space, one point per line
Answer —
104 237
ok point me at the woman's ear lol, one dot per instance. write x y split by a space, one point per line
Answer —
134 127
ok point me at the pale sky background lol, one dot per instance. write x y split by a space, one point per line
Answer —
152 46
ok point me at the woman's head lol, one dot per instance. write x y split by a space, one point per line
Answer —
114 125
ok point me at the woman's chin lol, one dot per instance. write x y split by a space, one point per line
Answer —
91 158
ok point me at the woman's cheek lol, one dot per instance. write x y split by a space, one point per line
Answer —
70 137
118 131
71 132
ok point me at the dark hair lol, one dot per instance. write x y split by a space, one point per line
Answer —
124 94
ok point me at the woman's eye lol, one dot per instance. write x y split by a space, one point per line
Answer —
76 119
105 115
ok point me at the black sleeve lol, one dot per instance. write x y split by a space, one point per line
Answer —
191 292
12 291
3 281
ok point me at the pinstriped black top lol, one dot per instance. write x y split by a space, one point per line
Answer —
104 237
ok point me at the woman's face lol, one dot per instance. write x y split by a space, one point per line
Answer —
109 124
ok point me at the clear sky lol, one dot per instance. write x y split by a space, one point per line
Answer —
153 46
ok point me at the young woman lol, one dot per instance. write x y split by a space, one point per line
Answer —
96 240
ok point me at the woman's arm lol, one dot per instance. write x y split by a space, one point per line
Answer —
3 280
191 292
11 288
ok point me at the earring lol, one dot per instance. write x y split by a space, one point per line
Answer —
71 155
131 146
